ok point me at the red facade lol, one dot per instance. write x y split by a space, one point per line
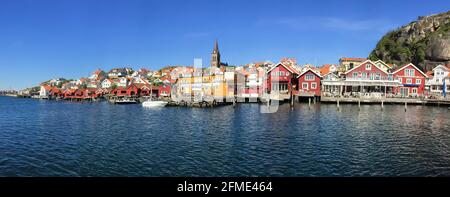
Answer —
164 90
413 80
366 71
309 82
281 78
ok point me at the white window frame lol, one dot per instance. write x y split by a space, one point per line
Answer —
368 66
408 80
409 72
303 86
418 81
364 75
310 77
313 86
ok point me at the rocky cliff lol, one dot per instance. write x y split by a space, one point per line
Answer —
425 42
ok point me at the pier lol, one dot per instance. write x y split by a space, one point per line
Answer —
382 101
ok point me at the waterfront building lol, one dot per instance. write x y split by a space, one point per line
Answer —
348 63
45 91
131 90
435 81
367 78
281 80
164 88
413 80
331 84
205 86
309 83
56 92
250 81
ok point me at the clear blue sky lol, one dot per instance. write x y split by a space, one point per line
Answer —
41 39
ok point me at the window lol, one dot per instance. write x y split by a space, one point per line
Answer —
309 77
355 75
414 90
400 79
378 76
409 72
313 85
287 73
409 81
418 81
305 86
368 67
372 76
364 75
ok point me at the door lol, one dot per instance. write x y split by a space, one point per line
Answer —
404 91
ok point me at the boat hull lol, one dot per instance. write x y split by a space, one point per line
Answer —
154 103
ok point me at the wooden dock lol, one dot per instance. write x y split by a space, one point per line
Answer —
416 101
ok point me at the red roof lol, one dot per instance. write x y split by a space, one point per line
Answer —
97 72
325 69
55 90
47 87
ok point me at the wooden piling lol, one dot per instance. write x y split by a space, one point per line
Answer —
406 105
338 104
359 104
309 102
382 105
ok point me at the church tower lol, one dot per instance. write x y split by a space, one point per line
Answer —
215 56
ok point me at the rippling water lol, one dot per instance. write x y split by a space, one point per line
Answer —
53 138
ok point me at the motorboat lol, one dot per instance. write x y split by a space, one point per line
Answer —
151 103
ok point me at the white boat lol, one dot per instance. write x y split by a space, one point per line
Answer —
151 103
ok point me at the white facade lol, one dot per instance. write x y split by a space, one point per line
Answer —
123 82
107 83
435 84
382 65
44 93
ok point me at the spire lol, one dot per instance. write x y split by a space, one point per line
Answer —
216 47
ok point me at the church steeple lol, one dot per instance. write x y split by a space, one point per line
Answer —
215 56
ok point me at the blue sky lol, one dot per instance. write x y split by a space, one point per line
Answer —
42 39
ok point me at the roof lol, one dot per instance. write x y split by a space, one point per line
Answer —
445 67
355 59
384 63
367 61
288 67
325 69
98 71
46 87
55 90
141 85
410 64
309 69
430 73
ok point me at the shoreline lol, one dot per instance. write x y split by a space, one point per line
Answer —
325 100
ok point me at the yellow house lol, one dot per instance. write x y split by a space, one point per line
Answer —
206 87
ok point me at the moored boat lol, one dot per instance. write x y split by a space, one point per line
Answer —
151 103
